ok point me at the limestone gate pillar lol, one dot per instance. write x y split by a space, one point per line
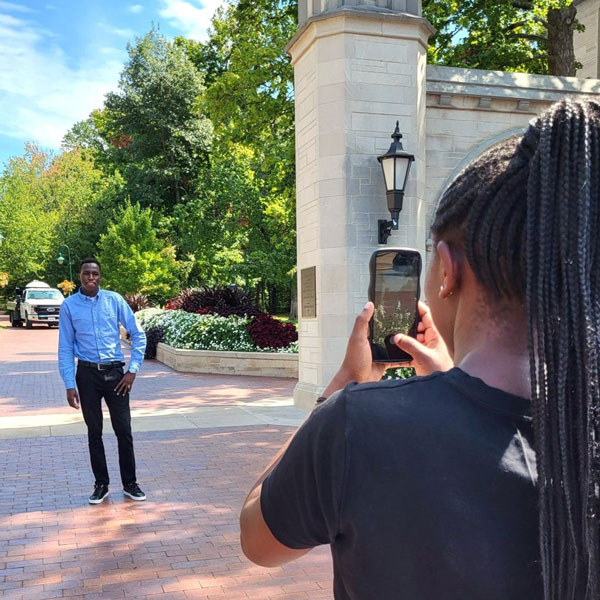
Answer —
359 66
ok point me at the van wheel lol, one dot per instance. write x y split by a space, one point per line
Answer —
28 323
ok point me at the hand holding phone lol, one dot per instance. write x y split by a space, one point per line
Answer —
429 351
394 290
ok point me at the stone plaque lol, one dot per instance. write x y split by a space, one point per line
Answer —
308 292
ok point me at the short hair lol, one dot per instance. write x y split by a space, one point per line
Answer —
88 260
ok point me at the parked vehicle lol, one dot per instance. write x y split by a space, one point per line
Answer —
37 302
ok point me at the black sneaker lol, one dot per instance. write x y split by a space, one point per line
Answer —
134 492
100 492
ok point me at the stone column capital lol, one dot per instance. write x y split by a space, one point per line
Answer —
362 20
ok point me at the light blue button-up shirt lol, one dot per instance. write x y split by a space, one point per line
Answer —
89 330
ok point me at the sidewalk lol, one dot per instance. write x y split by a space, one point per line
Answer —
200 442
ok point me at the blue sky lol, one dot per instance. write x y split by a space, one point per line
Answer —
58 58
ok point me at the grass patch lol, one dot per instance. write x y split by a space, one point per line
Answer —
285 318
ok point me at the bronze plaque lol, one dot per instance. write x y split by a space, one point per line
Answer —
308 292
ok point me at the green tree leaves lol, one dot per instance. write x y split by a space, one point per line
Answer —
133 259
201 134
534 36
155 122
46 201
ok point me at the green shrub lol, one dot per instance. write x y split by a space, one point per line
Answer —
190 331
400 373
146 315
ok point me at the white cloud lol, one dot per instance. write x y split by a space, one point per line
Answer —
191 18
42 93
14 7
136 8
125 33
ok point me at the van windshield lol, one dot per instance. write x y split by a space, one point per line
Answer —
44 295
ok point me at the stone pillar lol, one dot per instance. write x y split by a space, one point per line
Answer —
357 69
586 43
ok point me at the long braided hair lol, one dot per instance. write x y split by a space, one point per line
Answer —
527 216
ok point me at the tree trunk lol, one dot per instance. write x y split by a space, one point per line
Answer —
561 55
294 301
272 299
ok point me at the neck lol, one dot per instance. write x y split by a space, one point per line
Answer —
496 354
88 294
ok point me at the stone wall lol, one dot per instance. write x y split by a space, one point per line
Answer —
586 42
470 110
359 69
312 8
259 364
356 73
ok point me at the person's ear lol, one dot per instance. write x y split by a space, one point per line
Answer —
450 270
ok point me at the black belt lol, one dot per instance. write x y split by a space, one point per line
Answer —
101 366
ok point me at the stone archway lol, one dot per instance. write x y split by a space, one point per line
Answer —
475 152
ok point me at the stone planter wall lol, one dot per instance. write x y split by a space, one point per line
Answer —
261 364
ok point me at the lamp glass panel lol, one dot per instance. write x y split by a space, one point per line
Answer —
401 172
60 259
388 173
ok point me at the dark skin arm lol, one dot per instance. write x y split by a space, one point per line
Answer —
73 398
124 386
258 543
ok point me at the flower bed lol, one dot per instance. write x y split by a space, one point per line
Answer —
209 343
190 331
262 364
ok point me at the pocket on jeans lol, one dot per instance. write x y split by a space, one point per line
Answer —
114 374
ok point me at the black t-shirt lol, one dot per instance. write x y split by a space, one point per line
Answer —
425 489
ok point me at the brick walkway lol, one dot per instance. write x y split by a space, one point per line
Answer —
182 543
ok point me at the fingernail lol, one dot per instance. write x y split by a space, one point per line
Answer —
366 305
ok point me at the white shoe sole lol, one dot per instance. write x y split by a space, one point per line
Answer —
138 498
100 500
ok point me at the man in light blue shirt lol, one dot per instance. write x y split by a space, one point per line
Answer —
89 331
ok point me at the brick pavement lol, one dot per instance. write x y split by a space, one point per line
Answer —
31 384
182 543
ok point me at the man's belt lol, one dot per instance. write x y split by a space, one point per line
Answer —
101 366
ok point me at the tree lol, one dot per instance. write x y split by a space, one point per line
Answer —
134 259
250 99
159 136
46 201
534 36
28 216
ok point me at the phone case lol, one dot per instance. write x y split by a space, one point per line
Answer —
399 355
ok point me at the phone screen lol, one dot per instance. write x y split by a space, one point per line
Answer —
394 290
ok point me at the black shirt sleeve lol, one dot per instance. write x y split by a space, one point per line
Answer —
300 499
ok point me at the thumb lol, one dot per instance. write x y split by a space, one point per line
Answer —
412 346
361 323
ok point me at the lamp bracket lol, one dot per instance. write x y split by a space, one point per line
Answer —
384 230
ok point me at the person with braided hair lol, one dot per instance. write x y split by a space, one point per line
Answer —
478 479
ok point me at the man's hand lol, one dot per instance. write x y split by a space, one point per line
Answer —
429 351
73 398
124 386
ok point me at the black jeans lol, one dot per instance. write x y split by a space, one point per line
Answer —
93 385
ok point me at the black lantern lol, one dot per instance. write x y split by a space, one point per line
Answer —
396 167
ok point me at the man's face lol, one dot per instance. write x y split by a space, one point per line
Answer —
90 278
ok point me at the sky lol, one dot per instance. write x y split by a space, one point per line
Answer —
58 58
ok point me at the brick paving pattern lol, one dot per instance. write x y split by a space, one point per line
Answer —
182 543
31 383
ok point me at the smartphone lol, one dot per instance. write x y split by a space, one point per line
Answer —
394 289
